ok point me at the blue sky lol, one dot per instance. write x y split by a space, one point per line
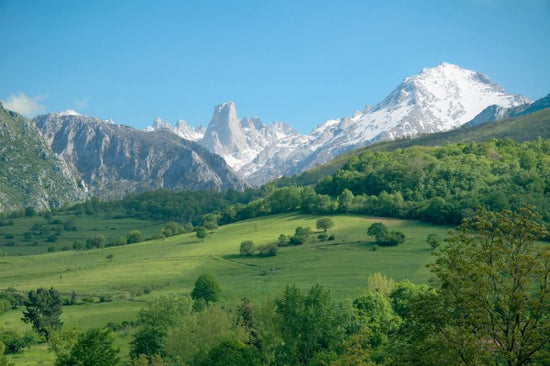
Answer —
300 62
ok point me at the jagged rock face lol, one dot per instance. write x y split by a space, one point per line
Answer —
238 142
31 174
115 160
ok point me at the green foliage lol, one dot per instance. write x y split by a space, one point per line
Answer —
3 359
378 230
206 288
247 248
192 338
301 234
493 296
170 229
308 324
155 321
444 184
14 342
43 309
201 232
383 236
134 236
93 347
324 223
231 353
434 241
98 241
268 250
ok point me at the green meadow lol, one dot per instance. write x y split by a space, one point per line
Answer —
113 283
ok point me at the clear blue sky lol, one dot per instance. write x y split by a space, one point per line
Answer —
300 62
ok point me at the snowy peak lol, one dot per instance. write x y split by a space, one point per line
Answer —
181 129
68 112
240 142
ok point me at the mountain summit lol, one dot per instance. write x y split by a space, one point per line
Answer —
437 99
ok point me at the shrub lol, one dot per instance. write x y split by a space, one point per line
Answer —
247 248
134 236
269 250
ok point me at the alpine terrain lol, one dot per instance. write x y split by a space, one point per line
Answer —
115 160
438 99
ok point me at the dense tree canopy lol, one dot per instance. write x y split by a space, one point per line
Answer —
43 309
492 303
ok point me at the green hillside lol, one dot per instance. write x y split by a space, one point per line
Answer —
112 284
524 128
30 173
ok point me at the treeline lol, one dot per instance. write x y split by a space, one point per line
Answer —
165 205
442 185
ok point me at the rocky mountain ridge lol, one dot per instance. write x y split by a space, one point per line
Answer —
115 160
438 99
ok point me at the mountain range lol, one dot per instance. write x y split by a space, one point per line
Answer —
81 156
114 160
438 99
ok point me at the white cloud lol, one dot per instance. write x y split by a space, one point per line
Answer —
82 103
23 104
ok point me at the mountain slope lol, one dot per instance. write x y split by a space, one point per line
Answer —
115 160
31 175
497 113
519 129
438 99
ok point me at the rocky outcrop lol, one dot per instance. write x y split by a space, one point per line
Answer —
115 160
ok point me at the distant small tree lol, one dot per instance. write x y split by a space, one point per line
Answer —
269 250
201 232
70 224
206 288
188 227
134 236
43 309
30 211
433 241
325 223
210 221
283 239
378 230
170 229
98 241
247 248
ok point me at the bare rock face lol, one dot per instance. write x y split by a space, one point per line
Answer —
31 174
115 160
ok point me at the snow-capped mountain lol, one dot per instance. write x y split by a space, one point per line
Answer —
239 142
438 99
181 129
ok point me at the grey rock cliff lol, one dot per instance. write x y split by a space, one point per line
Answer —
115 160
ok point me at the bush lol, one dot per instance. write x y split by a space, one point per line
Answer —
433 241
322 236
282 239
269 250
134 236
247 248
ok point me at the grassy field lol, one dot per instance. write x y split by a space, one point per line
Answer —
136 272
14 242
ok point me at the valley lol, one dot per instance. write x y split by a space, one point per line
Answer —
113 290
